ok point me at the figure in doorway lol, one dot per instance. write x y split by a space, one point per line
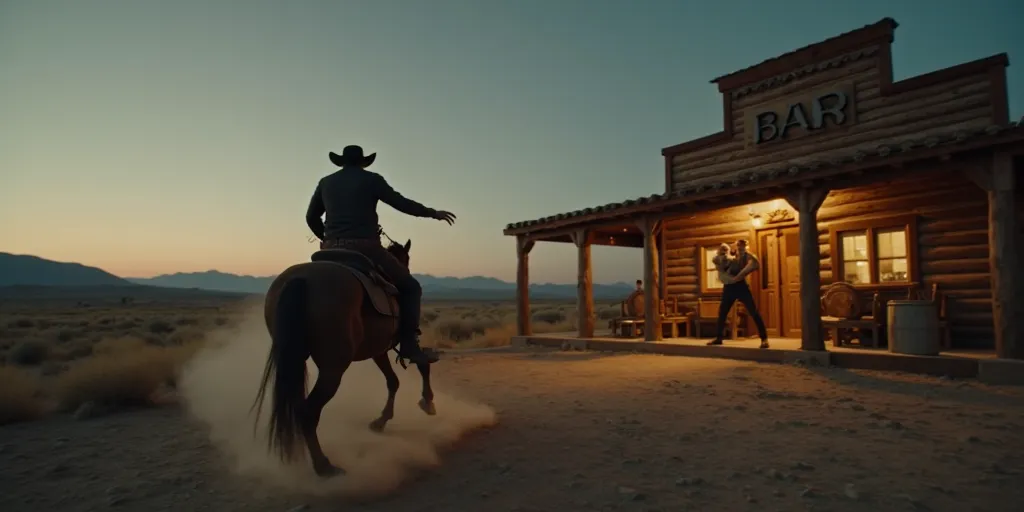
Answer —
733 272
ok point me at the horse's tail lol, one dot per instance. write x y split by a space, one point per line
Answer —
288 354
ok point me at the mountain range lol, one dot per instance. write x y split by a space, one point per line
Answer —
24 270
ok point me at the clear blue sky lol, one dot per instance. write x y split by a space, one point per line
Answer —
147 137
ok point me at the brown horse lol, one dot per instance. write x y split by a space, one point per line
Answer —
320 310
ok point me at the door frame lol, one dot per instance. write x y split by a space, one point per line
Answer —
755 238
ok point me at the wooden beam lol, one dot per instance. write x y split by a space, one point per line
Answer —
523 247
650 226
584 285
806 202
998 180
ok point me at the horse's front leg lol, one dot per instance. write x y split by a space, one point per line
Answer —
392 380
427 402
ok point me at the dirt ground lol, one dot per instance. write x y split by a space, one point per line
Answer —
577 431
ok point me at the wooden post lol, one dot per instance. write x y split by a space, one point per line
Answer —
997 178
807 201
523 247
652 320
584 285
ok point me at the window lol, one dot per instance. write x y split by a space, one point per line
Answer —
710 281
873 253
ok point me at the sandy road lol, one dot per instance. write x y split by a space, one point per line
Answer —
577 431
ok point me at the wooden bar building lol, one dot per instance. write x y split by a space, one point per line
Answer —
834 173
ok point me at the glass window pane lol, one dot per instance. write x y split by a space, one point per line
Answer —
854 245
892 243
855 272
892 270
711 280
884 245
861 242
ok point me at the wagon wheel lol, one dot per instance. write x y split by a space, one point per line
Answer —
841 301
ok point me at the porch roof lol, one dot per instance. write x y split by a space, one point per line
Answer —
745 184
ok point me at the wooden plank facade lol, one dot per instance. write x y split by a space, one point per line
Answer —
834 172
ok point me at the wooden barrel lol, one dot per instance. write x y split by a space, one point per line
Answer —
913 327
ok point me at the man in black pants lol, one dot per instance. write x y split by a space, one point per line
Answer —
736 288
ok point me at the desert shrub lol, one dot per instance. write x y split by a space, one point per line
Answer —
109 346
429 316
220 321
66 335
28 353
19 396
22 323
455 330
119 377
187 320
160 327
551 316
608 313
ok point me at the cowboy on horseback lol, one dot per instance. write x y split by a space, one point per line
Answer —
349 199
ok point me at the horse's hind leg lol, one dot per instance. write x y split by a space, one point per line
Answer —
323 391
392 380
427 402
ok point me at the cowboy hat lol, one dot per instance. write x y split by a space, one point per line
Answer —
352 155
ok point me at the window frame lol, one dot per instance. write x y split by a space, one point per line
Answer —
871 227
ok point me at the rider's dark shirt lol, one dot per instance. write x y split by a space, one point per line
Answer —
349 198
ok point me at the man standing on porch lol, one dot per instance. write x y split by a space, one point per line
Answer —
735 288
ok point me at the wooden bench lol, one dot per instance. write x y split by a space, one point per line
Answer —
632 321
707 311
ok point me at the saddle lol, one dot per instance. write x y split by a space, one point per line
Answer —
382 293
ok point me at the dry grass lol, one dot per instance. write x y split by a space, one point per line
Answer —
118 353
19 396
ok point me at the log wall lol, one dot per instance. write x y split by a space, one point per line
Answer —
966 102
952 232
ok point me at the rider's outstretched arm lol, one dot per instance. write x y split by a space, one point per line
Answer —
314 212
400 202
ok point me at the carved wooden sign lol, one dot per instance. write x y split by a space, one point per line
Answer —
799 116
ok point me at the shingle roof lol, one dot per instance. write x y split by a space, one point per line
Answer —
695 189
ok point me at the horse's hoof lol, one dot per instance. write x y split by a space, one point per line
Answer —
378 425
428 407
328 470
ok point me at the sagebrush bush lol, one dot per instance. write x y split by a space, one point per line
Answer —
119 376
19 396
28 353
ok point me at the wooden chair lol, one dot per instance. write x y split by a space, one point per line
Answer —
631 317
707 311
843 308
675 319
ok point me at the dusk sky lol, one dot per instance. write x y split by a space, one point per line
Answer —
148 137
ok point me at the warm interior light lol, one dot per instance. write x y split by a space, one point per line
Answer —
757 221
625 230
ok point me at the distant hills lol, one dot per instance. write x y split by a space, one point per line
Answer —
31 271
25 270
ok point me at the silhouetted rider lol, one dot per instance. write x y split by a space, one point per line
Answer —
349 198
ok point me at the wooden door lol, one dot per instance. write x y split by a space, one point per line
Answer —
790 289
769 302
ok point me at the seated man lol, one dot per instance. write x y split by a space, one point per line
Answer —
349 198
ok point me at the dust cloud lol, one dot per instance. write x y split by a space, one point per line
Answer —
220 383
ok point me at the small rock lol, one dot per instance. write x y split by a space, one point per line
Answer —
850 492
626 490
857 407
803 466
751 499
808 492
299 508
973 439
778 493
895 425
683 482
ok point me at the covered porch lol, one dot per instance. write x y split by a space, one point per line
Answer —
989 158
962 363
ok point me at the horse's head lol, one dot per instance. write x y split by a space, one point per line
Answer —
401 252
